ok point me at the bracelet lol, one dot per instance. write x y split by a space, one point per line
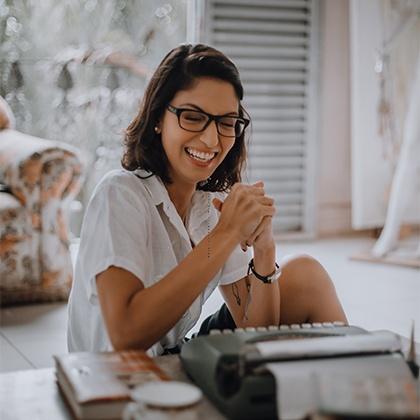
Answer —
271 278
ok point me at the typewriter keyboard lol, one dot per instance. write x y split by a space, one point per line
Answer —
283 327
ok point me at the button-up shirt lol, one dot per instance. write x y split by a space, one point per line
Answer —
131 223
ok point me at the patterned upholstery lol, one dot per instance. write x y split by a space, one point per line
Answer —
42 177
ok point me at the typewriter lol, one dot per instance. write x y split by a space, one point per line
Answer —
231 370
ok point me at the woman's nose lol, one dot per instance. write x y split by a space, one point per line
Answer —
210 136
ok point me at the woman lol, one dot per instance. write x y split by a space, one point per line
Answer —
160 235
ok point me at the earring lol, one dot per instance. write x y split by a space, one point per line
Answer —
157 129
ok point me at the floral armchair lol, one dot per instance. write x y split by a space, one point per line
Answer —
38 180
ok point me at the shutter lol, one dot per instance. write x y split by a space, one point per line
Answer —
273 43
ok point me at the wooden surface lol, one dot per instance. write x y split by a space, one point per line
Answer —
34 394
31 394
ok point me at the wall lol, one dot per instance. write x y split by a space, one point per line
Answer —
334 173
374 155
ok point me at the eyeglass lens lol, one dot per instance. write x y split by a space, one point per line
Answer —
196 121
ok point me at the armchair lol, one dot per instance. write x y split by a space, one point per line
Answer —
38 178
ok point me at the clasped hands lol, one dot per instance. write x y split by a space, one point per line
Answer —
247 212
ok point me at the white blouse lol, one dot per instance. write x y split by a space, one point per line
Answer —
132 223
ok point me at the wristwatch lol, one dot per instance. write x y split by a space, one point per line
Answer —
271 278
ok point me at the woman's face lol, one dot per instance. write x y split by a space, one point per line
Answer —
210 95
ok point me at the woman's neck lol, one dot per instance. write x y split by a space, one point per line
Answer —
181 197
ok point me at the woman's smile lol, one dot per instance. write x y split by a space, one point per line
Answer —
200 158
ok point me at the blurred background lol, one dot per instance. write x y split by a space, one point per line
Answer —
332 88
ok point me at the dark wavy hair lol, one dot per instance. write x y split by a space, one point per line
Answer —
178 70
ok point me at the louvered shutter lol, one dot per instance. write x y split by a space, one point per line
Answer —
274 43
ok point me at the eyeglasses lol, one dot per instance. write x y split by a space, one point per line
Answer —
197 121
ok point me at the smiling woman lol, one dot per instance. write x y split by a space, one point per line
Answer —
160 235
191 138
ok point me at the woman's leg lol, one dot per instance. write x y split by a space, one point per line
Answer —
307 293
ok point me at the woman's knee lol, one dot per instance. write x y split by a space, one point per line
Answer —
305 273
308 293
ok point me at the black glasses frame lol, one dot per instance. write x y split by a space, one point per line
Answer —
215 118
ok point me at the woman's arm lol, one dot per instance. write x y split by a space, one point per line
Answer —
137 317
251 302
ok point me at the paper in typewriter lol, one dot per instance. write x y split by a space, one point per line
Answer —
331 345
297 381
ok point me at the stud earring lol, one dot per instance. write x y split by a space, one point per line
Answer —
157 129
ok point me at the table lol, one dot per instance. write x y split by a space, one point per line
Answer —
34 394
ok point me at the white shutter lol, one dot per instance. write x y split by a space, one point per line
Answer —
274 43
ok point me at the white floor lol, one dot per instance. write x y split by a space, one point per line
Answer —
374 296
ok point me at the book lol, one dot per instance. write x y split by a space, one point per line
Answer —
98 385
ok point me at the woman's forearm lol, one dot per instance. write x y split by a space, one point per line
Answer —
264 308
153 311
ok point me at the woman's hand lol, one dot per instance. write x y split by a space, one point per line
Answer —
263 236
248 208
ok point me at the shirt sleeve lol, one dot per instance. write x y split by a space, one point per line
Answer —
114 233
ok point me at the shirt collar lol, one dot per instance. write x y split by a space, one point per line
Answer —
201 205
154 187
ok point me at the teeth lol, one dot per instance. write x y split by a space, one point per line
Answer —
200 155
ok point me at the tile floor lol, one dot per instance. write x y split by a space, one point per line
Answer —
374 296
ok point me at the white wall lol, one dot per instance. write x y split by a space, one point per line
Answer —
334 173
372 171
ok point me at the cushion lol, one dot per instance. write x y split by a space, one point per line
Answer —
6 115
40 178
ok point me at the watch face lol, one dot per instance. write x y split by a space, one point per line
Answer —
275 276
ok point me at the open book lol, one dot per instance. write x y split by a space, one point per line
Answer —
97 385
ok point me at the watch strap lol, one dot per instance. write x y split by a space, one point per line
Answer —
265 279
